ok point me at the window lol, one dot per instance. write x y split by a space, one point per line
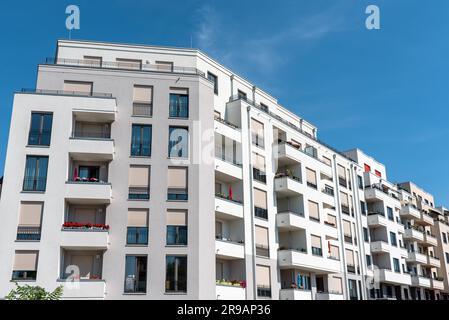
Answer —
390 214
176 274
177 227
350 260
241 95
347 231
91 130
30 217
25 265
130 64
311 151
368 260
92 61
143 101
344 203
334 252
179 103
165 66
360 182
393 240
260 204
136 274
342 176
40 129
396 265
314 212
447 256
377 173
365 234
327 161
78 88
264 107
263 281
141 140
352 289
363 208
262 244
367 168
444 236
317 249
139 183
137 227
257 133
259 168
214 80
178 142
35 173
311 178
177 183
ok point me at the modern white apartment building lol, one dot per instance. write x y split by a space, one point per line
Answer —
182 180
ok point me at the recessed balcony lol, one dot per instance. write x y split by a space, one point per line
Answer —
82 236
228 208
227 250
88 192
230 292
83 289
227 170
227 129
380 247
430 240
290 221
287 186
295 294
289 258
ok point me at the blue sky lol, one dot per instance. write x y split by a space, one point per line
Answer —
384 91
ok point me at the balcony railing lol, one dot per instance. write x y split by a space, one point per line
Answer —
288 175
67 93
138 193
317 251
348 239
262 250
261 212
328 191
177 195
351 268
91 135
264 292
226 197
345 209
259 175
124 66
28 233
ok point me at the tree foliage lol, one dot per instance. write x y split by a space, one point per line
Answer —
28 292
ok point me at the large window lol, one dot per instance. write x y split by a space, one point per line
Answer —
177 184
212 77
139 183
177 227
260 204
178 142
176 274
311 178
25 265
40 129
30 217
257 133
365 234
262 244
393 240
314 211
317 249
143 101
390 214
259 168
137 229
136 274
35 173
141 140
396 265
179 103
263 281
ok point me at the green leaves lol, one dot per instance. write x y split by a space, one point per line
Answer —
28 292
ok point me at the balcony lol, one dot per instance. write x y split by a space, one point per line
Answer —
432 262
92 149
413 235
288 154
227 129
291 221
89 192
388 276
416 257
295 294
227 170
329 296
228 209
376 220
287 186
229 292
84 238
374 194
425 219
421 281
289 258
228 250
83 289
410 212
380 247
437 284
430 240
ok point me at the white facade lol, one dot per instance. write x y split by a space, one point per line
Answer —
286 213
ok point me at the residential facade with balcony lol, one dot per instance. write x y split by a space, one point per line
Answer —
185 181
